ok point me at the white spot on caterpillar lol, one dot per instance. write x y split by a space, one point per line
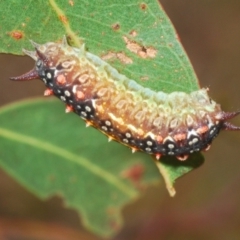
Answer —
104 128
149 143
171 146
63 98
108 123
39 63
88 109
148 149
195 140
84 114
67 93
128 135
212 131
49 75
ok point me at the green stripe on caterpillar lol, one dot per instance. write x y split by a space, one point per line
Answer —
175 124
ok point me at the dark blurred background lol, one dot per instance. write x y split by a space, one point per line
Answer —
207 202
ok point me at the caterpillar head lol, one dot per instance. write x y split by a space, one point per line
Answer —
52 60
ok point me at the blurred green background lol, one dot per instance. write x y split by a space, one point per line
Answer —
207 202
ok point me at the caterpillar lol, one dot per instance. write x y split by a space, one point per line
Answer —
157 123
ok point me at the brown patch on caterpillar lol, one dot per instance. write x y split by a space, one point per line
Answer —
160 124
118 55
80 95
141 51
16 34
116 26
61 79
143 6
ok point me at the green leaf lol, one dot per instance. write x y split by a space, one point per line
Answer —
94 22
171 169
51 153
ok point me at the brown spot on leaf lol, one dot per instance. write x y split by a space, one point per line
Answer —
124 58
16 34
114 225
141 51
63 18
51 178
121 56
73 179
133 33
144 78
116 26
143 6
111 211
71 2
109 56
178 38
134 174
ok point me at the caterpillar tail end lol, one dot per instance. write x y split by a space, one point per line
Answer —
227 125
33 74
230 127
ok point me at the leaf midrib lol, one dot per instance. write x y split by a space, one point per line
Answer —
91 167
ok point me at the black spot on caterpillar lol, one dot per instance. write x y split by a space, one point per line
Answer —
175 124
